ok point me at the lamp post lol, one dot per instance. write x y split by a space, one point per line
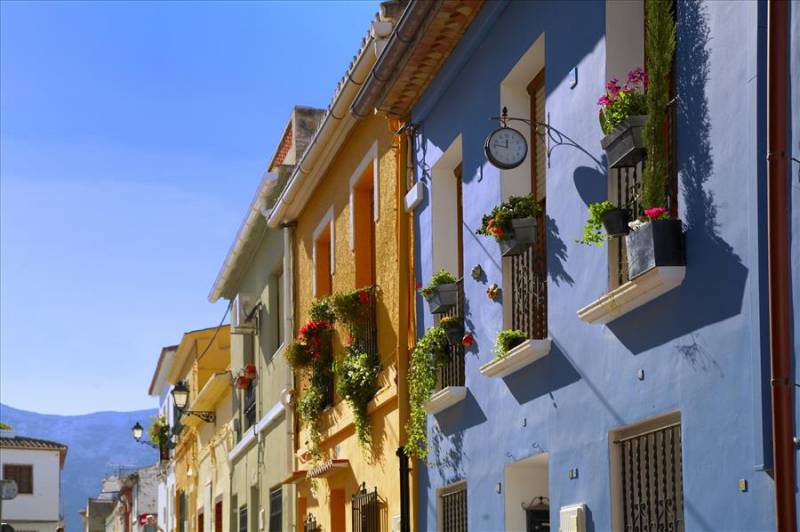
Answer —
180 395
137 430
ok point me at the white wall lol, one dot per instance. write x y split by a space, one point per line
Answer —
43 505
524 480
444 202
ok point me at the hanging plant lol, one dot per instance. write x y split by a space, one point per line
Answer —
593 230
660 48
309 408
357 376
158 431
428 356
297 355
322 310
352 307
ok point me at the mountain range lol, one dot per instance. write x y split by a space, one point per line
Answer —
99 443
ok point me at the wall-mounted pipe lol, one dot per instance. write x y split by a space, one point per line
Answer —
778 257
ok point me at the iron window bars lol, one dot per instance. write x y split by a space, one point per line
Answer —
454 509
452 373
529 286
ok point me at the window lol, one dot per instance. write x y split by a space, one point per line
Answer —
647 476
218 516
22 475
249 394
366 510
363 205
201 522
276 509
243 519
255 508
528 270
453 508
625 50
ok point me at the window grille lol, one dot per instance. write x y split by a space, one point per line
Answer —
22 475
454 509
250 404
452 373
529 286
652 481
365 332
310 524
243 519
276 509
365 507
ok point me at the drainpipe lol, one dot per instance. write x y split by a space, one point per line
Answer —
778 257
288 331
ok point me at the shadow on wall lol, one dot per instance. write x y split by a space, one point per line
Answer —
713 289
447 438
544 376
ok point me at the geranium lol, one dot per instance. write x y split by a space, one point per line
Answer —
656 213
498 222
468 340
620 102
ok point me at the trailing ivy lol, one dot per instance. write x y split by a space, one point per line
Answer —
310 407
593 232
428 356
357 375
660 49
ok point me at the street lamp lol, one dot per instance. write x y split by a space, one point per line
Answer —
137 431
180 395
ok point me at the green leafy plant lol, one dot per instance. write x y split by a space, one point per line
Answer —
297 355
593 231
4 426
309 407
430 353
322 310
450 322
439 278
498 222
158 431
660 37
621 102
357 377
351 307
507 340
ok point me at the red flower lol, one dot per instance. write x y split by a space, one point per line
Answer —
250 371
242 382
363 297
656 213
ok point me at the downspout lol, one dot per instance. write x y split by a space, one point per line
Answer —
778 259
404 319
288 331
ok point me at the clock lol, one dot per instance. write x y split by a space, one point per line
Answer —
506 148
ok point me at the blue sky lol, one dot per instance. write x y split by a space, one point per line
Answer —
132 137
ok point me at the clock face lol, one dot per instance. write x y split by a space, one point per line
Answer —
506 148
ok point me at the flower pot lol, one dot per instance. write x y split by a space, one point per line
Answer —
624 146
656 243
443 298
523 235
616 221
455 333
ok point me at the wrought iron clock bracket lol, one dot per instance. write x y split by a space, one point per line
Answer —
547 134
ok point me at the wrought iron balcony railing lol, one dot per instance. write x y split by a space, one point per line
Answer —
452 373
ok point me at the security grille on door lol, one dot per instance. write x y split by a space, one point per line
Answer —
365 506
529 287
243 519
652 482
454 509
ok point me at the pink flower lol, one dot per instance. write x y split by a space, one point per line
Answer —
613 87
636 75
655 213
604 100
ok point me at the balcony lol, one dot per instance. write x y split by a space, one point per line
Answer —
451 387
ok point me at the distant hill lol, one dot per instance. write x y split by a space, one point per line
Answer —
97 443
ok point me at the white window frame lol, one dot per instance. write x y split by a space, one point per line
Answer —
370 157
327 220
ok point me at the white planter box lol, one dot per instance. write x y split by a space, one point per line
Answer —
633 294
445 398
517 358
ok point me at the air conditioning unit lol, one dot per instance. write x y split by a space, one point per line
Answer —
242 308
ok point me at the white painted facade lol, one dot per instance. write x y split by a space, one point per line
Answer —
39 511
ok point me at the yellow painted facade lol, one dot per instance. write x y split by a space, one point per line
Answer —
202 475
368 164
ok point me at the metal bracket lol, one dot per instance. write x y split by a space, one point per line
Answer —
208 417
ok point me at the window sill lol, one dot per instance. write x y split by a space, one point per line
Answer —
445 398
524 354
633 294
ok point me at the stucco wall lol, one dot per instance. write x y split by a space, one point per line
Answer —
43 504
381 467
701 346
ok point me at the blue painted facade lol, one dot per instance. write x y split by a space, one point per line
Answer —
703 347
